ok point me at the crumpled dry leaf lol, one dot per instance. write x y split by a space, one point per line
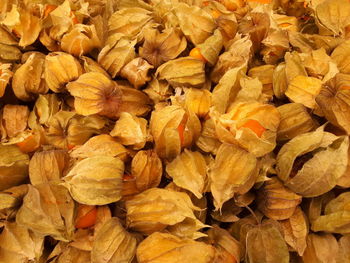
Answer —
295 230
136 71
94 93
311 163
265 244
130 130
184 71
276 201
5 76
96 180
20 245
234 176
113 244
155 209
163 247
44 212
188 171
13 166
14 119
321 248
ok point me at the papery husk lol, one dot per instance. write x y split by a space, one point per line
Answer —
265 75
198 101
129 21
188 228
230 127
96 180
284 22
81 40
340 55
336 216
28 79
6 37
228 213
211 47
136 71
47 166
147 169
265 244
317 205
13 166
164 127
48 41
130 130
155 209
294 66
163 247
60 68
332 17
344 180
113 244
184 71
343 251
295 230
334 101
237 56
44 212
5 76
94 93
67 129
234 176
11 199
9 53
91 65
227 248
100 145
14 119
64 253
26 25
188 170
227 24
161 47
275 45
317 63
304 90
295 120
116 54
276 201
319 174
207 141
18 244
321 248
196 24
280 81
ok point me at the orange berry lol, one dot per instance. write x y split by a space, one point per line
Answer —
74 18
70 146
261 1
86 217
196 53
215 13
181 130
48 9
255 126
344 88
205 3
29 144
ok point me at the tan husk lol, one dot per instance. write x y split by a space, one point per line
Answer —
321 248
136 71
14 119
5 76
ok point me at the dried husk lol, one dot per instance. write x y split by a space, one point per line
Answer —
44 212
130 130
14 119
295 230
227 24
276 201
321 248
96 180
294 66
113 244
198 101
81 40
211 47
276 44
196 24
162 47
60 68
64 253
232 127
234 176
9 53
319 174
136 71
344 180
163 247
13 166
91 65
317 205
343 251
168 137
155 209
184 71
94 93
11 199
280 82
265 244
67 129
207 141
5 76
47 166
265 75
336 216
188 171
147 169
100 145
28 80
340 55
295 120
18 244
304 90
116 54
334 101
